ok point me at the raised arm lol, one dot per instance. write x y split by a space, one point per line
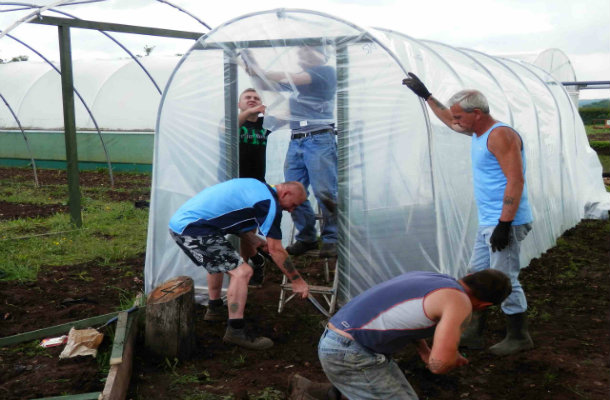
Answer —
244 115
439 109
268 79
283 261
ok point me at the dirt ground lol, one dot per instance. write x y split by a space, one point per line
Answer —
568 292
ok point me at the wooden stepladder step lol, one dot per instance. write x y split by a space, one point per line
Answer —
170 308
328 293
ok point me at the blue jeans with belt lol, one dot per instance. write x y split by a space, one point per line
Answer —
313 160
506 261
359 373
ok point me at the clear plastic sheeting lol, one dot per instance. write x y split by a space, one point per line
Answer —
405 185
118 93
557 64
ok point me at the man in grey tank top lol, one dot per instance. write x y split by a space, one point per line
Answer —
498 165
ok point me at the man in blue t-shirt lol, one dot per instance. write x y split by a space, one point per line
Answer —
312 153
500 189
357 346
241 207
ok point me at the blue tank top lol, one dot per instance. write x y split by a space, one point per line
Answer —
388 316
490 182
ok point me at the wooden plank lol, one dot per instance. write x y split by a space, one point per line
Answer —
55 330
82 396
111 27
119 376
116 356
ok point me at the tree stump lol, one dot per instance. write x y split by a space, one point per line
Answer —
170 311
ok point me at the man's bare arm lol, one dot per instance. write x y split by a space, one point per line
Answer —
505 145
284 263
444 114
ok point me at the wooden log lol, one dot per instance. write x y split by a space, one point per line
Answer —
170 309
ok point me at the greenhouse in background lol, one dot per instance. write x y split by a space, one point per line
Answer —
116 95
405 187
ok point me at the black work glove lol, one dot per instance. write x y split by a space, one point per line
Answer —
500 236
417 86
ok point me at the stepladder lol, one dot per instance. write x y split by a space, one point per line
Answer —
323 297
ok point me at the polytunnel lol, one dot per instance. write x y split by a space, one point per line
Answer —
405 188
116 99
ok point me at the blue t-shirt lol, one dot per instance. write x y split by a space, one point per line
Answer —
490 182
314 102
234 206
387 316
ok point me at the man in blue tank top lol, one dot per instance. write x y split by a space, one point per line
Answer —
356 347
241 207
498 167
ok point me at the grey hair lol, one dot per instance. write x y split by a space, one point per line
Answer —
470 99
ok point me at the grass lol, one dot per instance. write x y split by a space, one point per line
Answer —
111 231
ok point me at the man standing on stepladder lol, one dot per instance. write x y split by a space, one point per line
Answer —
498 167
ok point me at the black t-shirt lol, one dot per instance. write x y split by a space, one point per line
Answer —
253 149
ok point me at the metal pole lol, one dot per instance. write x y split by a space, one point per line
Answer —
67 89
231 135
343 130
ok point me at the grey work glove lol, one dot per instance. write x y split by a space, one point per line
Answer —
417 86
501 236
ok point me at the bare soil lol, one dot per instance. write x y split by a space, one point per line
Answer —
568 292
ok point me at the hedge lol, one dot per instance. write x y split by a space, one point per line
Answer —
591 113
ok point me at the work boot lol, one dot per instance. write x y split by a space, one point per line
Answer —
472 337
258 275
217 313
517 337
240 338
328 250
301 388
298 247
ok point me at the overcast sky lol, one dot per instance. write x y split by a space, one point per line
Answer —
581 29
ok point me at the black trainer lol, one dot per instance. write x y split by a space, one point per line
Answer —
218 313
258 274
298 247
240 338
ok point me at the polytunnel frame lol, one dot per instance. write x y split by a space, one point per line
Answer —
231 50
64 26
133 57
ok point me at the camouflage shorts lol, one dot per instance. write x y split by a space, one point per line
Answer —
212 252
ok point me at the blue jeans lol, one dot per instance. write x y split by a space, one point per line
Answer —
506 261
359 373
313 160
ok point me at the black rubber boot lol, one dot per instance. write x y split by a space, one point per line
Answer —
517 337
473 336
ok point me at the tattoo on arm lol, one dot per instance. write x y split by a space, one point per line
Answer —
509 201
291 271
440 105
289 266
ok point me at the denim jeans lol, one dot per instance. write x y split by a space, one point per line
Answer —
313 160
359 373
506 261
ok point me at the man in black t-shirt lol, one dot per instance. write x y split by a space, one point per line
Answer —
252 136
